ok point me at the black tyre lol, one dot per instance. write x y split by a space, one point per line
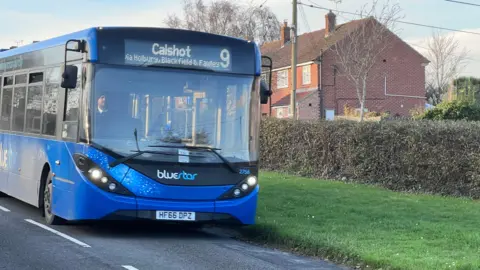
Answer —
3 194
50 218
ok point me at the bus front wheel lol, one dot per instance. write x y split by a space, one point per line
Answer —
50 218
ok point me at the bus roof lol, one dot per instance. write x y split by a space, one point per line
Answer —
89 34
94 35
56 41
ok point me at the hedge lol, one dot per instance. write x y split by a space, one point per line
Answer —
453 110
414 156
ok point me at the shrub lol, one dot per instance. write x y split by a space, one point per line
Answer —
349 111
453 110
372 114
420 156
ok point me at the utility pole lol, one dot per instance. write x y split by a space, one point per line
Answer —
293 101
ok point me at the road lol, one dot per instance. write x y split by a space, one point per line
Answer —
27 243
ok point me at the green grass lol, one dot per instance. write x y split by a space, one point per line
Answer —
358 224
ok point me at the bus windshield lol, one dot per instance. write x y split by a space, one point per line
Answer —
177 108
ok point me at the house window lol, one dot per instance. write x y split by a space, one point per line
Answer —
306 75
282 79
281 112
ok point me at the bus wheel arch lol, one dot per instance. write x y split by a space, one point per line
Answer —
43 181
46 189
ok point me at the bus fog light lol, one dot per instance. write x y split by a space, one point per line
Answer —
104 180
251 181
244 187
237 192
95 173
112 186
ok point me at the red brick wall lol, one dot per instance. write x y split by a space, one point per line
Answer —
309 108
405 76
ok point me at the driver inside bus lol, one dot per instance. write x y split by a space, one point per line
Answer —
101 115
101 109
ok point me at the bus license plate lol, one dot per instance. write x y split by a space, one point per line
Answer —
176 215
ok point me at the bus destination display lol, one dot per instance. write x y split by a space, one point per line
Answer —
146 53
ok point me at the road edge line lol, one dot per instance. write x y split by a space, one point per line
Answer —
129 267
78 242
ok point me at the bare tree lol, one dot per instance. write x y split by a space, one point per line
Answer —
447 59
226 17
362 47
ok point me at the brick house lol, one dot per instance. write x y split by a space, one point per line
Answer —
398 87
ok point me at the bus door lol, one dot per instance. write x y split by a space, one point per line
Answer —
69 107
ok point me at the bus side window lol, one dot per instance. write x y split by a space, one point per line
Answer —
50 100
6 108
34 112
18 114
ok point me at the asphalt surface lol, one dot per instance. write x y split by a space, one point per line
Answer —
27 243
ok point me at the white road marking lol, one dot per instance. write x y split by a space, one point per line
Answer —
57 233
4 209
129 267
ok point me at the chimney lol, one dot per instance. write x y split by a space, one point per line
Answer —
330 23
285 33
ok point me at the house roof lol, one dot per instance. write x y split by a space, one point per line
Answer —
285 101
310 45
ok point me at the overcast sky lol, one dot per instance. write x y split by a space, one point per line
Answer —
28 20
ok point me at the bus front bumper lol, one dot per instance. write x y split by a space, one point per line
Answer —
240 211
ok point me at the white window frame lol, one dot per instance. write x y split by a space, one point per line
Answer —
280 112
306 74
282 79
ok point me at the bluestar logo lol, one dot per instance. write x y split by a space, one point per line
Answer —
182 175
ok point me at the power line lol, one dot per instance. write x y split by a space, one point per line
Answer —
404 22
425 48
463 3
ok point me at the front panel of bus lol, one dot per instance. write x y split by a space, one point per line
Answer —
174 124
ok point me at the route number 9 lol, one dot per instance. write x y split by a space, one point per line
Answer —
225 56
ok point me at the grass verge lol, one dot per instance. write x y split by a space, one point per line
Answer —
362 225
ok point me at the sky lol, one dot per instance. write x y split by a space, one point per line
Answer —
23 21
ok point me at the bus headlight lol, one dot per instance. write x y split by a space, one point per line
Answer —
252 181
242 189
95 173
99 177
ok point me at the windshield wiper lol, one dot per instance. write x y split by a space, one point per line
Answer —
137 153
210 149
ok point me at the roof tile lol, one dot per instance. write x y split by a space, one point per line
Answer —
310 45
285 101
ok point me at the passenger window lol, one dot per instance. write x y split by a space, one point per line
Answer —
8 81
34 109
6 108
19 95
21 79
35 77
50 100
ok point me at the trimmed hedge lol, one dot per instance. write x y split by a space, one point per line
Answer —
414 156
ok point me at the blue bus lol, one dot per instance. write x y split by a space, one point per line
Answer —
114 123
